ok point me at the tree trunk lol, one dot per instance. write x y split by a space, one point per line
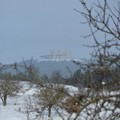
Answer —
49 111
5 100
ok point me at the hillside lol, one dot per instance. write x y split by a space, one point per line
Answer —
65 67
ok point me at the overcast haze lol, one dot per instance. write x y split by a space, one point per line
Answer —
31 28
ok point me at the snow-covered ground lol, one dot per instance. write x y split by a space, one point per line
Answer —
10 112
15 106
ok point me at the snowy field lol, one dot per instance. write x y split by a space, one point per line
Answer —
14 109
15 105
11 111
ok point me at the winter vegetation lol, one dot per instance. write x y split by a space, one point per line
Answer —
90 93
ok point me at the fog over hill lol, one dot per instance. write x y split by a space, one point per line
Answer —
47 67
66 67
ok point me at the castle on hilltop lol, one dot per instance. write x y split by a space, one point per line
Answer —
57 56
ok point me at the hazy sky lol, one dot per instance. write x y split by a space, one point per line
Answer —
31 28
